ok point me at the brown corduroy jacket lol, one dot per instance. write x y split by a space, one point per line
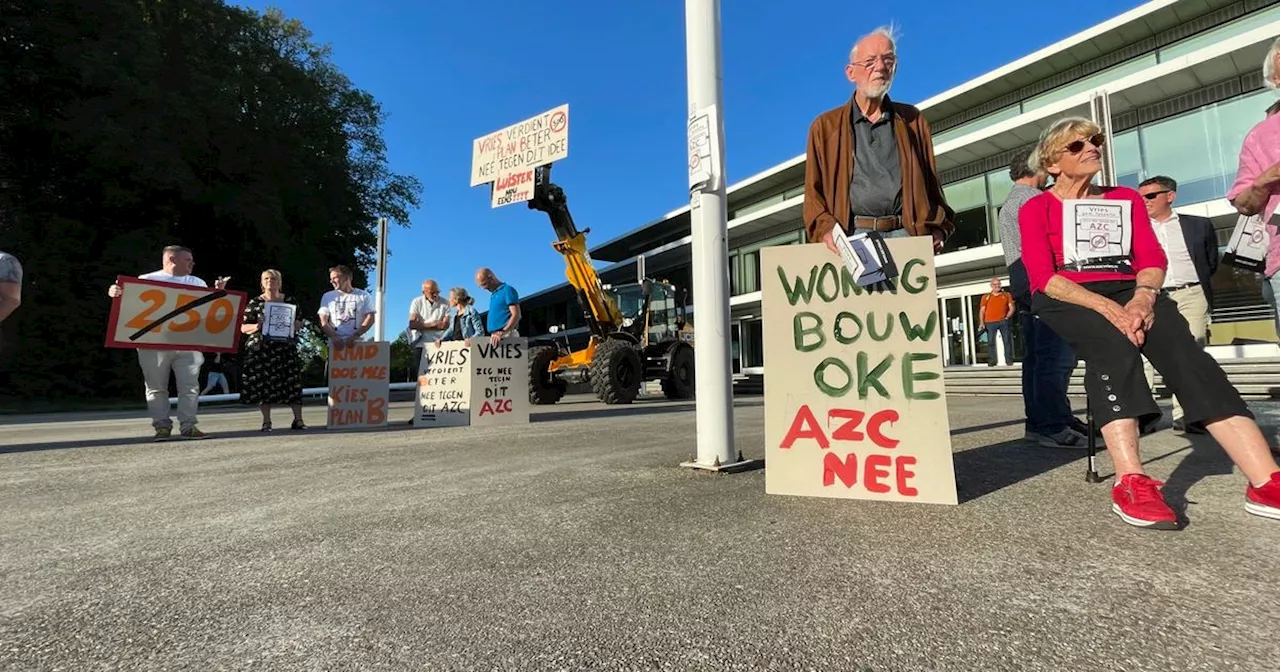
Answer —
828 170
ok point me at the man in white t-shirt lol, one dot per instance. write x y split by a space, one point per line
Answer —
428 319
177 262
346 313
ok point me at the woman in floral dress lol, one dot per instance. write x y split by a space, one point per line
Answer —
271 371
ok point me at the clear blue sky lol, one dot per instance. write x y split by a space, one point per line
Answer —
447 72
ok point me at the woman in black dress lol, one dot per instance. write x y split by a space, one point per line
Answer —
271 370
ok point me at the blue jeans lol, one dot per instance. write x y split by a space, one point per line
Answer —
1270 291
1001 327
1046 372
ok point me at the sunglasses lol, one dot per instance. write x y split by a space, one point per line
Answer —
1154 194
1078 146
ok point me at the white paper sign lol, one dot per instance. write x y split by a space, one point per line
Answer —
500 382
512 186
533 142
1247 248
704 154
278 320
1097 233
444 385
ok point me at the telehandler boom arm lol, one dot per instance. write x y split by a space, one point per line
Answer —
599 309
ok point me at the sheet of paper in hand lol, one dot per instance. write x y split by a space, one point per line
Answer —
866 256
1097 234
1248 246
277 320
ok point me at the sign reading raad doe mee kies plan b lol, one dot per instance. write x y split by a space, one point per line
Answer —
506 158
854 400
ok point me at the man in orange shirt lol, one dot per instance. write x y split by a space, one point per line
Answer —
997 308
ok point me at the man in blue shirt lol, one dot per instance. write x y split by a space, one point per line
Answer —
504 306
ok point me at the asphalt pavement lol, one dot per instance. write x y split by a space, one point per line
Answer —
577 543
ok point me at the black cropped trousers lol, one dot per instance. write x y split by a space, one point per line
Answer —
1114 378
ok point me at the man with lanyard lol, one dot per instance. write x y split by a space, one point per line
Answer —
869 163
1191 246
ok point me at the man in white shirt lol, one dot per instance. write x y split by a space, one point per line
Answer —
346 312
177 263
1192 248
428 319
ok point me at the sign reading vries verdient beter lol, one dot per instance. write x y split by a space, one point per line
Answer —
506 158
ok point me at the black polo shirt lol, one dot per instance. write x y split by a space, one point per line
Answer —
876 187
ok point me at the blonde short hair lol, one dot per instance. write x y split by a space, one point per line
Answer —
273 273
1054 139
462 296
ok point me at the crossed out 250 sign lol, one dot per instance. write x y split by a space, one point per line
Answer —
158 315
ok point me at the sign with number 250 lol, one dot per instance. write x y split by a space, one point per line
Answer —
153 315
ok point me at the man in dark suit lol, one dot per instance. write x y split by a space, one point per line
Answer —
1192 248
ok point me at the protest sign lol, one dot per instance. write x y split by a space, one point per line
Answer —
152 315
500 382
520 147
444 385
1247 247
854 401
1097 234
359 385
279 320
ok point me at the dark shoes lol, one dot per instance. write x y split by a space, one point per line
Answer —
1181 425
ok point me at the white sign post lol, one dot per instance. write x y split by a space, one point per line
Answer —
506 158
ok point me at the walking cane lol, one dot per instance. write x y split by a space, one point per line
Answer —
1091 443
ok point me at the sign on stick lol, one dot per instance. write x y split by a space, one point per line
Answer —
506 158
151 315
359 385
854 400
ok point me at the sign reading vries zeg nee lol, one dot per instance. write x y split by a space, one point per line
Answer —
506 158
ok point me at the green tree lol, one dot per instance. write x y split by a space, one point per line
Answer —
403 368
127 125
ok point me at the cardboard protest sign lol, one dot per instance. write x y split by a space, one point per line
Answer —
444 385
359 385
520 147
500 382
151 315
854 401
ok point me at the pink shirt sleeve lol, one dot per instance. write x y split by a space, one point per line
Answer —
1250 167
1037 249
1147 252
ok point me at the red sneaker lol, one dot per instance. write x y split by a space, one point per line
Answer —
1137 500
1264 501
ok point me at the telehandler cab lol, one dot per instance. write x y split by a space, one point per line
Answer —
637 331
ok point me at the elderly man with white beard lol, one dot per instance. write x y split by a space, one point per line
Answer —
869 163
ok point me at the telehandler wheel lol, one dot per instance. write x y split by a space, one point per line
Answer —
679 383
616 372
542 388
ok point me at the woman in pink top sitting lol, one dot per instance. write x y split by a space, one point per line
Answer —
1103 296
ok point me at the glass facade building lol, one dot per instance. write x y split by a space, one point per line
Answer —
1183 90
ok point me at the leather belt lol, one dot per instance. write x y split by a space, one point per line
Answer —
881 224
1167 290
